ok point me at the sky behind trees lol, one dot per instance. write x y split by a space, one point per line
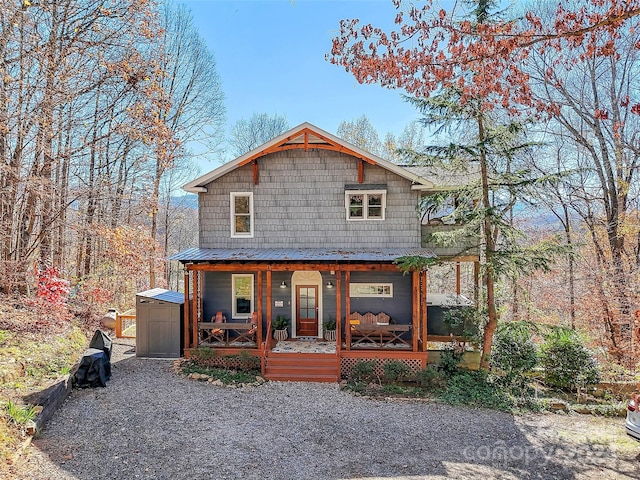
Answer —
270 55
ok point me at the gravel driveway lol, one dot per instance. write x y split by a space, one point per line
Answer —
150 423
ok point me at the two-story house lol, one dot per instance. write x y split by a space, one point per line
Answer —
310 227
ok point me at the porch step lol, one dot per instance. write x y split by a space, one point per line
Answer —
302 367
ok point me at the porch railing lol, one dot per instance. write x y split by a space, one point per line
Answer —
266 346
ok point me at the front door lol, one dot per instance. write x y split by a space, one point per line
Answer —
307 311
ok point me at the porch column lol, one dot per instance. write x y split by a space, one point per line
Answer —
269 305
200 311
416 309
458 279
423 300
259 310
185 320
194 309
338 313
347 304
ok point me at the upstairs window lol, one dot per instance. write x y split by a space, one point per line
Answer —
242 215
365 204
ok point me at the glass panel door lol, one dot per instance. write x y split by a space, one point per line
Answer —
307 311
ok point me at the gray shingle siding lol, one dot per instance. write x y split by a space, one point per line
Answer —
299 202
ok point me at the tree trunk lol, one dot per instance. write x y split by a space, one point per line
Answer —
572 277
154 223
489 248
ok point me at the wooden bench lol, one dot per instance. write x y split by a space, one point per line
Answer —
376 329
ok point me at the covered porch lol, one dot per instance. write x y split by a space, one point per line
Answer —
379 312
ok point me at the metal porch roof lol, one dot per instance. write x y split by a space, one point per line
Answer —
298 254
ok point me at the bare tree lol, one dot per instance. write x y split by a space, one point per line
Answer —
194 110
178 217
361 133
595 121
260 128
56 56
412 139
97 104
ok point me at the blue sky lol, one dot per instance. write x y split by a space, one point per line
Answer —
270 55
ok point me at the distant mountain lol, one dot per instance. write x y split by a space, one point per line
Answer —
188 200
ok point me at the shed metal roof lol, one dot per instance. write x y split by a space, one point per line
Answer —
163 295
298 254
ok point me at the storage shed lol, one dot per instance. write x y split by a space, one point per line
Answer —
159 314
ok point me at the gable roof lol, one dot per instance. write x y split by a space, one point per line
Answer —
304 137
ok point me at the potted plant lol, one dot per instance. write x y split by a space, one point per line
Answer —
330 330
280 325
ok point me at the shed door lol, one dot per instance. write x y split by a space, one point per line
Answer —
163 334
307 311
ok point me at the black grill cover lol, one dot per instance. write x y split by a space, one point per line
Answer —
95 365
101 341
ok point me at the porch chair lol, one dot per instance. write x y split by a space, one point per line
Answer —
215 334
250 335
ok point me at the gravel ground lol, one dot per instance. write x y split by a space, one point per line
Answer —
150 423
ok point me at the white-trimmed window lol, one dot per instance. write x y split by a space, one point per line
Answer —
380 290
365 204
242 293
242 214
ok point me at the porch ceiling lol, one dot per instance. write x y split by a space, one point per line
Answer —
335 255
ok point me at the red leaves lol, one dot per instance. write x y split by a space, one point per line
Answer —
52 289
51 296
636 109
601 114
481 60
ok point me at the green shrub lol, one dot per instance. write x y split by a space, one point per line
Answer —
450 359
474 388
465 321
514 353
364 371
246 361
395 370
567 363
225 375
281 322
204 357
430 377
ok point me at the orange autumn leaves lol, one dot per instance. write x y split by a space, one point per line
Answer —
483 59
